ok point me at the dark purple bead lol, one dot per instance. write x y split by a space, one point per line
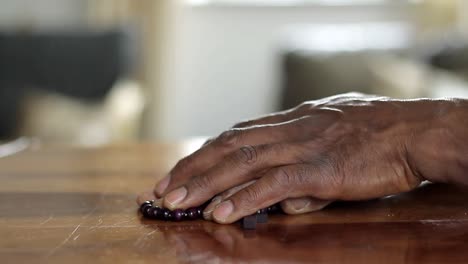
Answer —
160 213
155 212
192 213
145 206
200 212
274 209
146 212
168 216
178 215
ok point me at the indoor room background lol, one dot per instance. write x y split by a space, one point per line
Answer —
110 71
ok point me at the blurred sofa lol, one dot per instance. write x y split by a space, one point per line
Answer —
436 68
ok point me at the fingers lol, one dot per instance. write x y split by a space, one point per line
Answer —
292 206
237 168
277 185
207 213
229 141
292 131
161 186
303 205
188 166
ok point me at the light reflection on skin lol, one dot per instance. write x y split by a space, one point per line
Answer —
298 243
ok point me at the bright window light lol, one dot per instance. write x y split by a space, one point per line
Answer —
349 37
295 2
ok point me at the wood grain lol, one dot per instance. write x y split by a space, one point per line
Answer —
77 205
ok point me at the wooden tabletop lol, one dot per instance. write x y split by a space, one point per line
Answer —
77 205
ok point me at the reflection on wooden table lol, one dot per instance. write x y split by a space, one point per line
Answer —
76 205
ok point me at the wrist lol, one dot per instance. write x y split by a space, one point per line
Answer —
439 149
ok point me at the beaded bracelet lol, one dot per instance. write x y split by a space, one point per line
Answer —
152 211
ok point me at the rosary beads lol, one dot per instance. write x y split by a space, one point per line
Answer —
152 211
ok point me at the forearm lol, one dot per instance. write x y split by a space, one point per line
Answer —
439 153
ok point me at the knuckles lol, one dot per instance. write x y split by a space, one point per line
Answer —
182 165
229 138
249 197
200 183
279 184
283 179
246 155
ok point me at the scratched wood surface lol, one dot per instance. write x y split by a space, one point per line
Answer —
76 205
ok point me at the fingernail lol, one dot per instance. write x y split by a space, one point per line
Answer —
162 185
175 197
158 202
209 209
299 204
223 211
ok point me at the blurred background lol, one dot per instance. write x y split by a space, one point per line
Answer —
97 72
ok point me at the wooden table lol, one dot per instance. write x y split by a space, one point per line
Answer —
77 205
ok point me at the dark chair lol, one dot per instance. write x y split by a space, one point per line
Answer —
83 65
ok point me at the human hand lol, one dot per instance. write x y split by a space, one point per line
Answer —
345 147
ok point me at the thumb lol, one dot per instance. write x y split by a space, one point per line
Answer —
294 206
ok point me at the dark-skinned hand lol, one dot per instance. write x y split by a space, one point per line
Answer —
345 147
